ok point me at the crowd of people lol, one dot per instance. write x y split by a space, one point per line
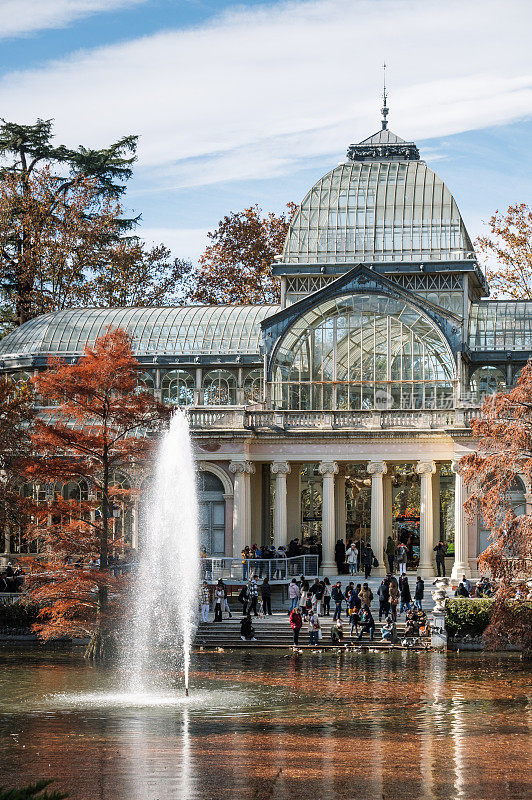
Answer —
309 601
11 579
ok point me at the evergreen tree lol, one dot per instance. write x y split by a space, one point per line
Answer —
26 152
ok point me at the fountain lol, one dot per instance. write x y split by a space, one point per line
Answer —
165 591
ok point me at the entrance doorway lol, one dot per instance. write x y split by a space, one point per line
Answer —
212 513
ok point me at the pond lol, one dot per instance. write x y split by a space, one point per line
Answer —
271 725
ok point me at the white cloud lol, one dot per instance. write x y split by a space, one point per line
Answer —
187 243
258 91
20 17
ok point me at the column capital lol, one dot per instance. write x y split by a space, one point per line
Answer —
242 467
425 467
328 468
377 468
455 466
280 468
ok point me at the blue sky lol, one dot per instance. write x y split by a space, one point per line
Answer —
247 102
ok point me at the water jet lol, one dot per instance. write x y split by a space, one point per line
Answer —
166 588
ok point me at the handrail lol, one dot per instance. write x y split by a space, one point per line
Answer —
275 569
230 418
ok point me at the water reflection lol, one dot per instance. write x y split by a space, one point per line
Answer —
402 725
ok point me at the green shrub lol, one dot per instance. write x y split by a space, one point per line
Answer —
18 615
33 792
467 616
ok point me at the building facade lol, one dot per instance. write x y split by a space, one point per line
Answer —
342 412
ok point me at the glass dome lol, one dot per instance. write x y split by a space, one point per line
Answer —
363 351
377 210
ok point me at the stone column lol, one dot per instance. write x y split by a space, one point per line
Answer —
461 562
339 511
241 505
426 524
377 470
135 525
280 535
328 469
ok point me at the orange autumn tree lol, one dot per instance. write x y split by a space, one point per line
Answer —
100 422
510 243
504 452
236 267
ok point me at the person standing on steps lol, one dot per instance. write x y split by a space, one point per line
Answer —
402 555
293 595
367 560
352 559
253 595
316 591
314 628
391 551
326 597
266 594
219 601
339 555
419 592
406 597
296 621
441 552
204 601
337 596
226 602
394 598
384 599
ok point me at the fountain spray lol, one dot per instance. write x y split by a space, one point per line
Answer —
167 587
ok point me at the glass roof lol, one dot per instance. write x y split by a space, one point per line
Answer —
194 330
501 325
385 210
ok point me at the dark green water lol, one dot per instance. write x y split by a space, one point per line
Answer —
262 725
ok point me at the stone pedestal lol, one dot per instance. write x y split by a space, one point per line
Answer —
439 634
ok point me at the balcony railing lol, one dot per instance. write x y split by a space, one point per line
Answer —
275 569
263 421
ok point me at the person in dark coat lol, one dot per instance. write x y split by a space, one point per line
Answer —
367 560
247 631
418 592
383 594
337 596
406 597
441 552
266 594
339 555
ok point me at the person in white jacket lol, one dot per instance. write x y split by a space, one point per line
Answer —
352 559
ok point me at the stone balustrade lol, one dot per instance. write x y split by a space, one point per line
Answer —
239 419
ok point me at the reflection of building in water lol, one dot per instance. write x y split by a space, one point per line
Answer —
342 410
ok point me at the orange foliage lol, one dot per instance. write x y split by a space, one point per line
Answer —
237 266
511 244
504 453
100 423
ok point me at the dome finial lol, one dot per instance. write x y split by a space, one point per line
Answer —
384 109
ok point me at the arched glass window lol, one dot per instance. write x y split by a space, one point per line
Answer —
219 388
363 352
178 387
487 380
253 386
74 490
145 382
